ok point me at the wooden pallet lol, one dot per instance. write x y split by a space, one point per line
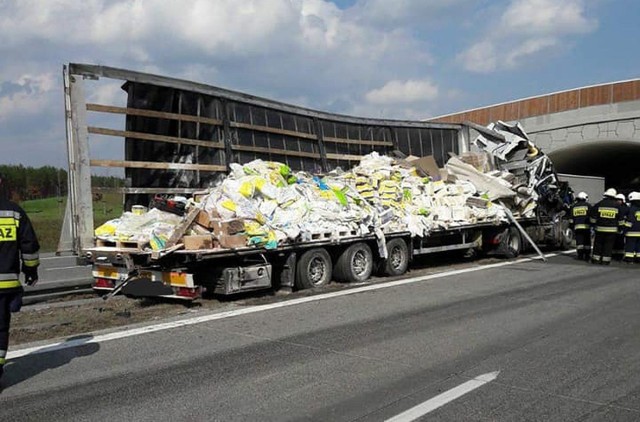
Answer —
330 235
106 243
122 244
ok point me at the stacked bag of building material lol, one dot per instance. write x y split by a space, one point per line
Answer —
265 204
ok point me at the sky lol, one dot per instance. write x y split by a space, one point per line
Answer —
406 59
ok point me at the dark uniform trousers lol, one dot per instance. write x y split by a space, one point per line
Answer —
603 246
605 217
9 302
632 241
583 243
632 249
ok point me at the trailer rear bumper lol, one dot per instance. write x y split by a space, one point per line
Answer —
166 284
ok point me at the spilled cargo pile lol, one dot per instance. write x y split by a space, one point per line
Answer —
265 204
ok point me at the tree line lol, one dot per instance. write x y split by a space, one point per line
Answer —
22 183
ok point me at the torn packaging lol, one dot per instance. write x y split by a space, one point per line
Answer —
493 187
427 166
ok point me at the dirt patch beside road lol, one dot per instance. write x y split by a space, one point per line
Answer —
62 319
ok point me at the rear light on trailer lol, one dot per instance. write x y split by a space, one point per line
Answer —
104 283
187 292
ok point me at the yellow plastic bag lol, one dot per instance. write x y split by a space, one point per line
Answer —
229 204
247 188
107 229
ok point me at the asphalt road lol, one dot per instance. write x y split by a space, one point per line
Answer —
57 272
564 336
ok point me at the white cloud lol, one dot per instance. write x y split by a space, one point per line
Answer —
418 13
480 57
547 17
527 29
27 95
403 92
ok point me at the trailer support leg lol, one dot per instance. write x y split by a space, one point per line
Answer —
523 231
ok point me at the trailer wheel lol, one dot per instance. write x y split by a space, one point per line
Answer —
355 264
568 236
398 260
313 269
513 242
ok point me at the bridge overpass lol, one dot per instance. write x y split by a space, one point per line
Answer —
593 130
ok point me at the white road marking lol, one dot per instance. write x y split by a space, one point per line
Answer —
254 309
444 398
45 258
68 268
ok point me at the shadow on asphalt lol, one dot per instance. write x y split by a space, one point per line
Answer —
25 367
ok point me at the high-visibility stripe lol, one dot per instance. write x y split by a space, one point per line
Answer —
596 257
2 361
606 229
630 254
30 256
10 284
10 213
633 234
628 224
579 247
9 221
31 262
581 227
9 276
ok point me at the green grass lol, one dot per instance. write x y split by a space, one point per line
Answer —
47 216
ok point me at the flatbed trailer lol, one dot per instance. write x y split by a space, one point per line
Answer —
179 137
190 274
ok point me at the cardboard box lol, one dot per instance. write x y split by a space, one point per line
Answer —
198 242
204 219
227 227
232 242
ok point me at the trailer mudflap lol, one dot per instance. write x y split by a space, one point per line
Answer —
241 279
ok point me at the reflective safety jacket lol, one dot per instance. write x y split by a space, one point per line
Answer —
606 216
17 241
579 215
633 221
624 210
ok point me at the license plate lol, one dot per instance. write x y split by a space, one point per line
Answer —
106 273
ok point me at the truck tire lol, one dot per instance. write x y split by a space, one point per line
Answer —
512 242
355 264
398 260
568 236
313 269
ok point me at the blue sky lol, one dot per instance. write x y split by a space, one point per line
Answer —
408 59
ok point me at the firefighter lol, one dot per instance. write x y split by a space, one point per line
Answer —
632 229
18 242
605 218
618 246
579 220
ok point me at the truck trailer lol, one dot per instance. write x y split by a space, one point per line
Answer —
181 137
